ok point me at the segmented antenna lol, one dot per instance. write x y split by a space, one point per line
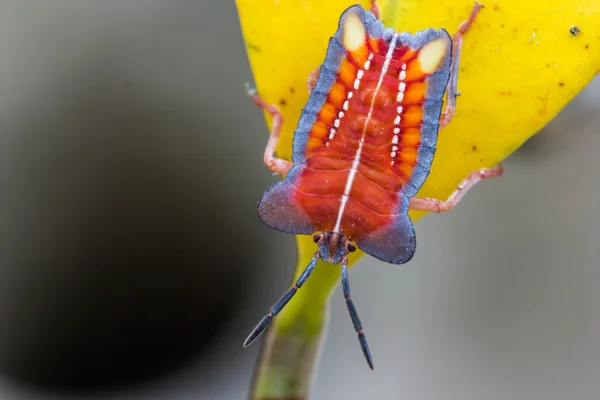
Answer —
354 314
283 300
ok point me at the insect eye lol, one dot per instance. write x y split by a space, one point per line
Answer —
317 237
351 247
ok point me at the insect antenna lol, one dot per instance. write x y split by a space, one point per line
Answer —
283 300
354 314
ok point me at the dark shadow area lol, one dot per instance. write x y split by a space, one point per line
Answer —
121 253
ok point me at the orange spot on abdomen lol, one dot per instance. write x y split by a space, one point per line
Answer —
360 55
337 94
347 73
415 92
414 71
327 113
412 119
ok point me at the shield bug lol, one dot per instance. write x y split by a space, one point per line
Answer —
363 147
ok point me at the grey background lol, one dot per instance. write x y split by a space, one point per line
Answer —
499 302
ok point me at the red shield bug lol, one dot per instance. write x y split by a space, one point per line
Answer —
363 147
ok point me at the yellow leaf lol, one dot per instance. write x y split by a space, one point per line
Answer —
521 63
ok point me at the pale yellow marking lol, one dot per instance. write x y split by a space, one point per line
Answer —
432 54
354 33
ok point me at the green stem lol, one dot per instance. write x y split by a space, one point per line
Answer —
286 365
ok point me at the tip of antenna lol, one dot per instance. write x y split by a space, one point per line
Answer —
258 330
251 338
365 348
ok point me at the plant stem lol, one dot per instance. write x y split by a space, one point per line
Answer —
291 348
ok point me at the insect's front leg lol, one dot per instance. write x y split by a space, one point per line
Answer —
435 205
275 164
451 90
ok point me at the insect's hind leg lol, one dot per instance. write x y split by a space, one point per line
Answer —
275 164
451 89
437 206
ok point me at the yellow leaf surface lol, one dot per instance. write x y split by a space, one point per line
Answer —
521 63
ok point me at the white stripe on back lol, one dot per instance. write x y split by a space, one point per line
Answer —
356 161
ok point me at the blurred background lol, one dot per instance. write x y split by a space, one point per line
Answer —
132 263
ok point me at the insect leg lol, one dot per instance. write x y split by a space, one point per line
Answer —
354 314
451 90
278 306
435 205
275 164
375 9
312 79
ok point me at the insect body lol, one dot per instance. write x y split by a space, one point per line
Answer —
363 147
